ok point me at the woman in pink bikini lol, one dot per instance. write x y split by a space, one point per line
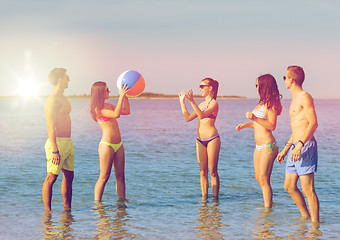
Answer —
208 142
264 118
111 150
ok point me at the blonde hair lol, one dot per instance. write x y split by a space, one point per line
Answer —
297 74
55 74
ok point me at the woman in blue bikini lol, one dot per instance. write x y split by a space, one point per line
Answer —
264 118
110 150
208 142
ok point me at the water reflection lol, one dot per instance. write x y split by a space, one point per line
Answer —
263 225
266 222
209 221
306 230
57 229
111 221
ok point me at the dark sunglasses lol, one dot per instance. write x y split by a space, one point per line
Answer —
256 85
203 86
107 89
284 78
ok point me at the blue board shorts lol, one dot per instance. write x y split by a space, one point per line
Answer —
66 151
308 161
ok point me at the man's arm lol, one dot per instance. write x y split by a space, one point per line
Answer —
51 112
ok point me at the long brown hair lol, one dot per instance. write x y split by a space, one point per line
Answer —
214 85
97 99
269 93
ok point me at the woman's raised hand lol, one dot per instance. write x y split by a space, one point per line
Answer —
124 90
182 96
190 95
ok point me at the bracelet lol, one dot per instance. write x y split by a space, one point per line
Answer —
56 152
301 143
288 145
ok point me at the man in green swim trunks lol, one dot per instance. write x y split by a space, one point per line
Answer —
59 146
301 147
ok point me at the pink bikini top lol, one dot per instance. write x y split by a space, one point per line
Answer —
103 118
211 115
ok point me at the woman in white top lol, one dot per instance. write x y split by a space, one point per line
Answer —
264 118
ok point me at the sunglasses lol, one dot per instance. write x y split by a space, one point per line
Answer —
203 86
107 90
284 78
256 85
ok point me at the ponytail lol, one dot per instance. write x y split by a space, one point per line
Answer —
214 85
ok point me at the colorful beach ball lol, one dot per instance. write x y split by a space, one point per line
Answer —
134 81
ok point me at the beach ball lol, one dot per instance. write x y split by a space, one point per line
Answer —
134 80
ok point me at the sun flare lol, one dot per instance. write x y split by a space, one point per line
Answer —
28 89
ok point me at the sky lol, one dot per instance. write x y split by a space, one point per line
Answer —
174 44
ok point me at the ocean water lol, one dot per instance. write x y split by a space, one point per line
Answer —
162 177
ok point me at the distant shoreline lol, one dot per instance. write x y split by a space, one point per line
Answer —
149 95
146 95
160 95
153 96
43 98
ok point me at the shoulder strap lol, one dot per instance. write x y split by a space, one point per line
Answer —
209 102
